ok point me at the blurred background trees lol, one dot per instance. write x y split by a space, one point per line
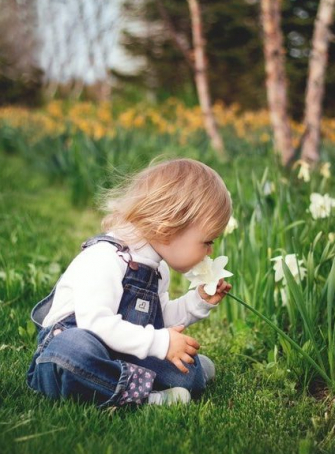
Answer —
234 49
56 48
20 74
95 48
77 38
75 44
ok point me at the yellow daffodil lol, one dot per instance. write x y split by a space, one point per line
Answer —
303 173
331 237
325 170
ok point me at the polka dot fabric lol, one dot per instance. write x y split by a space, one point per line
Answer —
139 386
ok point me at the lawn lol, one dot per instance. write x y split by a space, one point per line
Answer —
267 397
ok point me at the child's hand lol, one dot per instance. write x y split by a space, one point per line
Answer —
181 348
221 289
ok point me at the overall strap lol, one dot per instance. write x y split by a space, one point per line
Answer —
121 248
109 239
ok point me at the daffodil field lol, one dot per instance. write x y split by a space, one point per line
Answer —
172 117
280 242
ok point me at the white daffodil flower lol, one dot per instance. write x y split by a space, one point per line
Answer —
280 294
283 294
293 264
325 170
268 188
208 272
321 205
231 226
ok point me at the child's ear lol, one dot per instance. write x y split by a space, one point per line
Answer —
164 239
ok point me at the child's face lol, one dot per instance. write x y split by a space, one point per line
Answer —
186 249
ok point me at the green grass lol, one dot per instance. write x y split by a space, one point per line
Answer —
255 405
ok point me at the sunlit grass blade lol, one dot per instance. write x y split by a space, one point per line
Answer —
252 232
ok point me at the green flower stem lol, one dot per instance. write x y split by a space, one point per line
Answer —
285 336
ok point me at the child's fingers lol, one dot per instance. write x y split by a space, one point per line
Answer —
191 350
192 342
177 362
222 284
227 289
223 287
187 359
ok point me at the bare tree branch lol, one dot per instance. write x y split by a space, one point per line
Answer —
175 36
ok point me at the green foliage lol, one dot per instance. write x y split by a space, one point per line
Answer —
88 165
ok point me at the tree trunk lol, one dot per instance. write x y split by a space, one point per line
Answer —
275 78
201 79
197 61
316 81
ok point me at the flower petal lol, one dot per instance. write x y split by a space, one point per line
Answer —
195 282
226 273
210 288
220 262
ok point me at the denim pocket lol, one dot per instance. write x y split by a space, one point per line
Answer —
138 306
47 334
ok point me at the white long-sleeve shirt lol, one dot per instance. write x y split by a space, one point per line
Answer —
91 287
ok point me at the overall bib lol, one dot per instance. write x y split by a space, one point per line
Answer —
75 362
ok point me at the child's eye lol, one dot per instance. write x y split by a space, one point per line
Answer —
209 243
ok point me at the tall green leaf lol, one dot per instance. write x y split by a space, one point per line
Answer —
308 358
298 298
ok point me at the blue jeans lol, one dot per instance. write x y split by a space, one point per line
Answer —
74 362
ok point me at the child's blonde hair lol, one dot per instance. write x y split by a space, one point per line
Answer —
164 199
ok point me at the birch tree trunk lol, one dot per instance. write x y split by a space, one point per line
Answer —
275 78
316 81
201 79
196 59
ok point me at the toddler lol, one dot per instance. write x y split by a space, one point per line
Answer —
108 332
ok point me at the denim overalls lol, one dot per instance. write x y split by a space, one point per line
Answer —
74 362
